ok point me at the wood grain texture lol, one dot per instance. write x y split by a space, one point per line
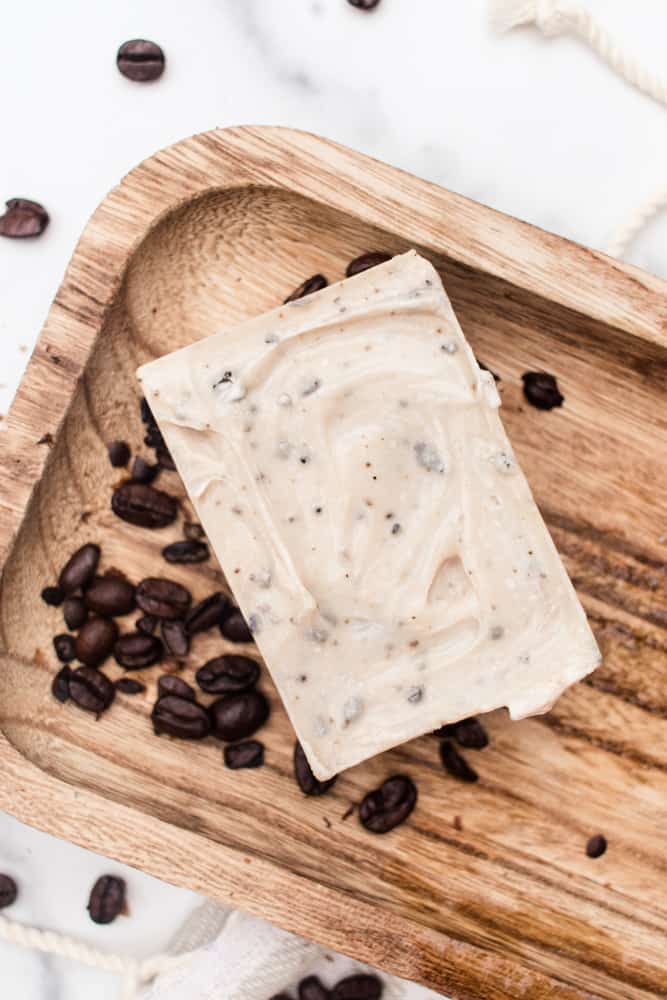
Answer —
221 227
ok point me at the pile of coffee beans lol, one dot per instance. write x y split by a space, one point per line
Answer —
359 986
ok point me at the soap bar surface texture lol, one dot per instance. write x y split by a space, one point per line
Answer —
347 460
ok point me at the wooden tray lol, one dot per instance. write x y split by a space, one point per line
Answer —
487 892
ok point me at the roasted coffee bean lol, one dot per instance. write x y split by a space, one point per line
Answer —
209 612
107 899
144 506
171 684
128 685
52 596
8 891
164 459
136 650
147 624
389 805
180 717
457 765
238 715
235 628
485 368
60 684
140 61
248 754
23 218
110 596
228 674
75 612
65 647
541 390
186 552
306 780
79 568
470 734
119 454
91 690
153 437
364 4
312 988
95 640
362 985
175 637
596 846
193 531
366 261
163 598
310 285
281 996
142 471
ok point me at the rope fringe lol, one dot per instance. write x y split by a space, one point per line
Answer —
135 973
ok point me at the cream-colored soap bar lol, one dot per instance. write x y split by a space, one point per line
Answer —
346 458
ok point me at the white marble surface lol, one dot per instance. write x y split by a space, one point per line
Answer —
536 128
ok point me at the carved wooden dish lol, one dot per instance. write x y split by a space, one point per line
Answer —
487 891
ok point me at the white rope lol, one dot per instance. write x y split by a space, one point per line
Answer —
558 17
135 973
626 233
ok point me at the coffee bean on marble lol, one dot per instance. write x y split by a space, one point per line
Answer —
208 613
228 674
181 718
456 764
171 684
140 60
366 261
235 628
541 390
596 846
8 891
136 650
79 569
110 596
389 805
65 647
470 734
91 690
52 596
186 552
60 684
175 637
147 624
142 471
360 986
163 598
306 780
75 612
312 988
119 454
241 755
95 640
144 506
193 531
238 715
23 218
107 899
310 285
128 685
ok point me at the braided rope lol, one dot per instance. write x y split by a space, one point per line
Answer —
135 973
557 17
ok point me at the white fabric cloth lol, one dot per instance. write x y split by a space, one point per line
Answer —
249 959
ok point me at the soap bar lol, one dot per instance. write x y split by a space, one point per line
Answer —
346 457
